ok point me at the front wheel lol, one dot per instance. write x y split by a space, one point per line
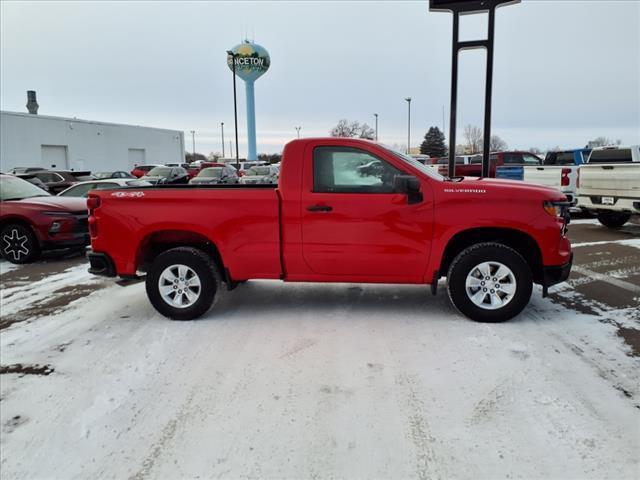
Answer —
19 244
182 283
489 282
613 220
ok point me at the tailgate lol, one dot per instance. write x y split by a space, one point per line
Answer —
548 176
612 180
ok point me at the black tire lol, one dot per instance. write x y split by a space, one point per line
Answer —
468 260
18 244
206 271
613 220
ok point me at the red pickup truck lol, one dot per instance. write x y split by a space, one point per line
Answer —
345 210
496 159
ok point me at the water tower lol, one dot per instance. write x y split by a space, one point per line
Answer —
251 62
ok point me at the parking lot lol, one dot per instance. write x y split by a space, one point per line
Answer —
309 380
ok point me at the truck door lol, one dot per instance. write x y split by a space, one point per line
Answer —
354 224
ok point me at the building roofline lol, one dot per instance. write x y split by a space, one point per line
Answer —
92 122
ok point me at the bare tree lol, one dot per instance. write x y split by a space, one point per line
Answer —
473 137
600 142
535 150
345 128
497 144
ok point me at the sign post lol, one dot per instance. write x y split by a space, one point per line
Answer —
463 7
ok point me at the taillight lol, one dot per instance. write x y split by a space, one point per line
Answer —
564 179
578 178
93 203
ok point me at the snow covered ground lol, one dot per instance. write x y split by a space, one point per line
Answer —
319 381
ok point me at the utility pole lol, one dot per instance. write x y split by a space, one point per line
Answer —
408 100
376 115
193 139
222 130
231 148
298 131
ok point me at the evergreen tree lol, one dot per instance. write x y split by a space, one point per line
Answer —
434 143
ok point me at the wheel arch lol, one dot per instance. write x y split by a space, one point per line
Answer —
518 240
159 241
20 221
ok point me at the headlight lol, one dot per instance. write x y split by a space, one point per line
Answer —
552 209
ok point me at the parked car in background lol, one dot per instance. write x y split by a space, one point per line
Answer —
244 166
559 170
423 159
262 174
21 170
509 164
81 189
609 184
195 168
116 174
215 175
164 175
141 170
31 178
443 163
59 180
31 220
183 165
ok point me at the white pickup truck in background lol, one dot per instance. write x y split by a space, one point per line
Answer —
559 170
609 184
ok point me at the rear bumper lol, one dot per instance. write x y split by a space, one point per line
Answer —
555 274
620 204
101 264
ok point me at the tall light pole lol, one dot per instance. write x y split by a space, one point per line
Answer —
235 103
298 131
408 100
222 130
376 115
193 139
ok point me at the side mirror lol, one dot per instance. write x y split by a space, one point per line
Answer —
410 185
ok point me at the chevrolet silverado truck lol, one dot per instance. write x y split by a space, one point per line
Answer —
328 220
609 184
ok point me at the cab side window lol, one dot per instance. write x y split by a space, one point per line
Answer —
351 170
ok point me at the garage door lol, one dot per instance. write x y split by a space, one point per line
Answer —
54 156
136 156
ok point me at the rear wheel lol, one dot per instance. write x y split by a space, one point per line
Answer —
613 219
489 282
182 283
19 244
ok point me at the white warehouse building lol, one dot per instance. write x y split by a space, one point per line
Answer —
58 143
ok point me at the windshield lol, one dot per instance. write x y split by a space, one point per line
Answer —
212 172
159 172
413 162
100 175
259 171
13 188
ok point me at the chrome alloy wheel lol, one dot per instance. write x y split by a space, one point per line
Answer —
179 286
491 285
15 245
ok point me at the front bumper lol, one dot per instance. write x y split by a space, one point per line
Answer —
101 264
555 274
76 241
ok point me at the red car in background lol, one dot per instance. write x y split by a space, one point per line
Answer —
141 170
31 220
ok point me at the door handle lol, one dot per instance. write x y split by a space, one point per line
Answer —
319 208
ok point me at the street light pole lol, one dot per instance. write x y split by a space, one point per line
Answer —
235 103
298 131
408 99
222 130
376 115
193 139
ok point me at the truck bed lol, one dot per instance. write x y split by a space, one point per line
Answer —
244 217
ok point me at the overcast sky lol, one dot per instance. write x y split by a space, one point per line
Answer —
565 71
